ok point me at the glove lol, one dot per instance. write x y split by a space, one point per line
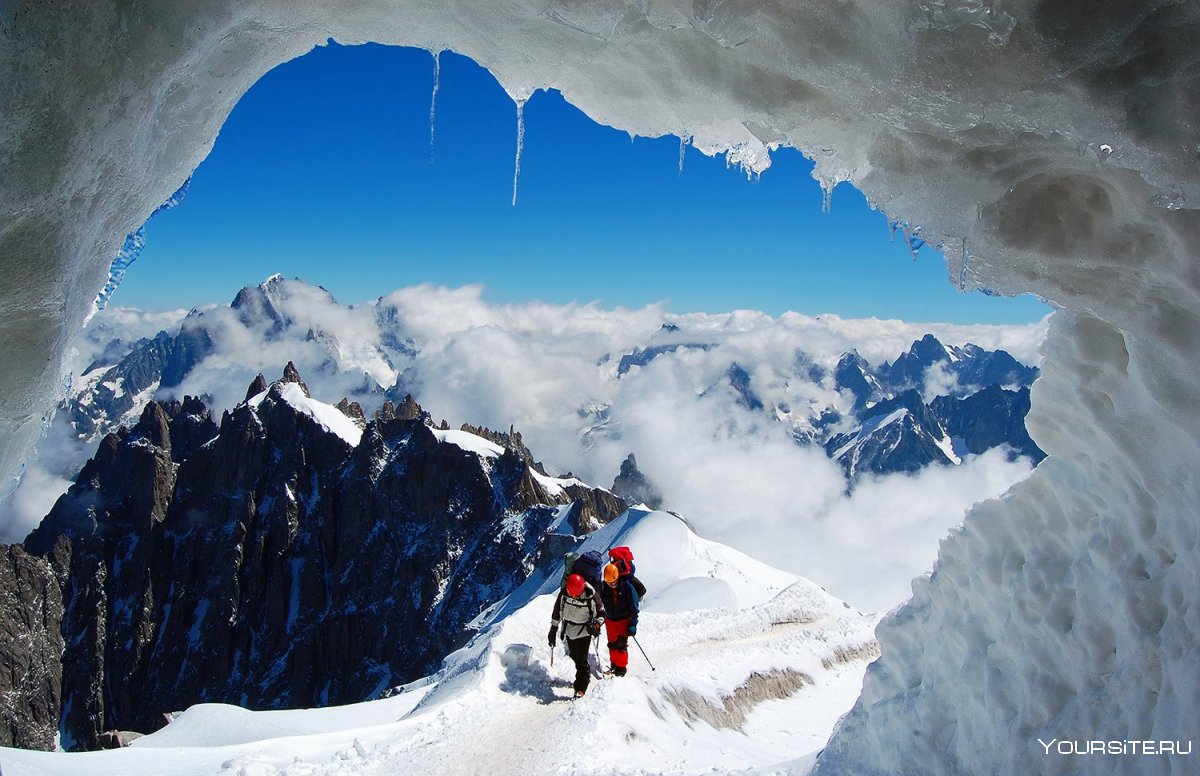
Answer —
552 636
593 628
633 629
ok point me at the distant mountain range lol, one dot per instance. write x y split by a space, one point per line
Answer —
898 431
933 404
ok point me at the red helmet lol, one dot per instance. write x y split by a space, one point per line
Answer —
574 585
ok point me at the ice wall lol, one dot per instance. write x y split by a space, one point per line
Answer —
1053 146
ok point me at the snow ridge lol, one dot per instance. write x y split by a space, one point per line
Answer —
755 676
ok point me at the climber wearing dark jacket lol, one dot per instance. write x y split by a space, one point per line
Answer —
579 609
621 604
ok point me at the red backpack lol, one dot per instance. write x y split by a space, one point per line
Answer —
622 558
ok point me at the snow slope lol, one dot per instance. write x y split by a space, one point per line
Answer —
327 416
752 668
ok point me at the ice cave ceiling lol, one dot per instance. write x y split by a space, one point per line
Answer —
1053 146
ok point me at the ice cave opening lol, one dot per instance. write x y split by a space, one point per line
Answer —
333 155
1057 143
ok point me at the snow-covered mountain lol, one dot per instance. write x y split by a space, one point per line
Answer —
295 555
899 434
745 667
387 349
904 434
340 346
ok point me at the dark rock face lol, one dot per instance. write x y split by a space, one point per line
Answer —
31 646
257 386
632 485
900 434
739 380
993 367
853 374
643 356
969 420
274 564
972 425
163 361
909 369
972 366
993 417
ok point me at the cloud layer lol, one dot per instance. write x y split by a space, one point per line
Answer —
553 371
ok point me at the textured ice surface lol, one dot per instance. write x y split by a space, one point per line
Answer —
132 249
1059 141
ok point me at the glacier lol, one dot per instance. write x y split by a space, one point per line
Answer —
1054 148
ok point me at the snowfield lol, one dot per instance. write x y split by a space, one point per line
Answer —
752 667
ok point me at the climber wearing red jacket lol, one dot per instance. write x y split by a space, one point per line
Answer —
621 603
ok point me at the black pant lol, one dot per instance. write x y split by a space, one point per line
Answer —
578 649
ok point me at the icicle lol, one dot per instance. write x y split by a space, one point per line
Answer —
520 147
132 248
962 278
134 243
682 146
826 196
914 239
437 77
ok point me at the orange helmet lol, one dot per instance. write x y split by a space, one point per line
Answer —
574 585
611 573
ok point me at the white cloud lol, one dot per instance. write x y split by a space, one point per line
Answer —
35 494
867 548
736 474
939 381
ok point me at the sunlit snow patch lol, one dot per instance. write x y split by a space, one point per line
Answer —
326 415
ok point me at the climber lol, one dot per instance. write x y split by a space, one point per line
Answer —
579 609
621 601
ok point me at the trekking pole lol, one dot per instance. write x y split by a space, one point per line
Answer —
639 646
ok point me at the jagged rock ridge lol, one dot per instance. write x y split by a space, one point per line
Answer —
271 562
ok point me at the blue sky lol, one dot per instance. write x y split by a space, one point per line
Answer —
324 171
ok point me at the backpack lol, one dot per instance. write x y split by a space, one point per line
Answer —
589 565
622 558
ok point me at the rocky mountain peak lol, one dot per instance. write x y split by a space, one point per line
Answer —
352 410
292 375
408 409
154 426
853 374
257 386
273 564
633 486
928 349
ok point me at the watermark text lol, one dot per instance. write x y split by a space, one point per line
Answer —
1116 747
